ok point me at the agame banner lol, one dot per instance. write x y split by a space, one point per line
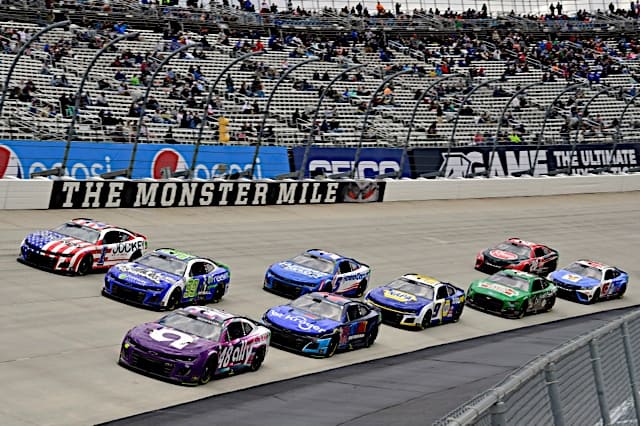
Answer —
507 160
90 159
68 194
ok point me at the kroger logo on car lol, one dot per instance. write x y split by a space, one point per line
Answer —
301 321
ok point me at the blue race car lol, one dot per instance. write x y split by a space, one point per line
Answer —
317 270
417 301
319 324
167 278
586 281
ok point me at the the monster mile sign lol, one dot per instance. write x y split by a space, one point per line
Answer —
121 193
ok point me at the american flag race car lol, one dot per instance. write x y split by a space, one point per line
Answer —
518 254
587 281
192 345
317 270
80 246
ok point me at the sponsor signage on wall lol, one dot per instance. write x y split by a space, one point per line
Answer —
125 193
90 159
372 161
507 160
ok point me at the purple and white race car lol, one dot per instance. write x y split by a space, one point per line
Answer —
192 345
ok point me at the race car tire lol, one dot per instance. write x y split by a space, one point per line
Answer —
622 291
552 266
174 300
217 295
136 255
371 338
333 345
458 314
523 309
549 304
362 287
209 370
426 320
595 298
526 268
258 358
85 265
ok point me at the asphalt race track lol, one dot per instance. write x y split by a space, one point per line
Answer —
60 337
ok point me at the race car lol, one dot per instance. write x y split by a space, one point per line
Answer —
515 253
319 324
586 281
417 301
166 278
81 246
512 293
317 270
193 344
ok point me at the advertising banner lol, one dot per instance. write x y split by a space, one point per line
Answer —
68 194
507 160
90 159
372 161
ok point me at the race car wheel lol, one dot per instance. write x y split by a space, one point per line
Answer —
426 320
526 268
552 266
523 309
595 298
371 338
333 345
457 314
174 300
85 266
217 295
258 358
136 254
621 291
209 370
362 287
549 304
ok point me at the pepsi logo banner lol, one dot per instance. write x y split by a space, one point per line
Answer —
67 194
90 159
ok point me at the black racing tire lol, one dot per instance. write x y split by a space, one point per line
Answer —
371 338
523 309
174 300
426 320
209 370
333 345
85 266
549 303
458 314
552 266
622 290
258 359
362 287
526 268
595 298
135 255
217 295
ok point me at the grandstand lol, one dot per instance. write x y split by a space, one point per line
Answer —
492 78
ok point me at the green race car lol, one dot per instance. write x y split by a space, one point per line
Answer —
512 293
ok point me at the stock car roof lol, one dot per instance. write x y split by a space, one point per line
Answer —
180 255
522 242
331 297
90 223
210 314
517 273
423 279
593 264
325 254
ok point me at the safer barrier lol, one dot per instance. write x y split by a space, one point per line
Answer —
585 381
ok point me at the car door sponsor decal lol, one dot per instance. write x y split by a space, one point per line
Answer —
238 353
169 335
358 330
127 247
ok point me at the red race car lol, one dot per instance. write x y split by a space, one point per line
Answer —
515 253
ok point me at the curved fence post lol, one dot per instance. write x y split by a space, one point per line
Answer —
284 75
307 146
618 136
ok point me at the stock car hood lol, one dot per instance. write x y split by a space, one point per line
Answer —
42 238
393 298
168 341
298 273
138 274
503 256
300 321
565 277
496 290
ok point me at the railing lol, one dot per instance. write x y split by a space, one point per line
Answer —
588 380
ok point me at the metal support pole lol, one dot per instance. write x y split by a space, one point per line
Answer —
504 111
307 147
146 97
76 106
356 159
212 89
442 172
554 394
256 153
497 414
599 380
547 114
413 115
618 136
628 353
19 54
